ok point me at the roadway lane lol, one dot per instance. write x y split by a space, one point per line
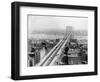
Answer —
51 55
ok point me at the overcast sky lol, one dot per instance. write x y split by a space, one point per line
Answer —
52 23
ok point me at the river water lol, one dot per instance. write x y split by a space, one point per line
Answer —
45 36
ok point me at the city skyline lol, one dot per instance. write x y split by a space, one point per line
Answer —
50 24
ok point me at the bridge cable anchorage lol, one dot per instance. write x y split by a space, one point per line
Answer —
52 54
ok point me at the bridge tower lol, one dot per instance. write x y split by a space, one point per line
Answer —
68 30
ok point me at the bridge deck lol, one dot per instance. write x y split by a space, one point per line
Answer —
51 56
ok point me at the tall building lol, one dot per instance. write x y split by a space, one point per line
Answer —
33 58
37 57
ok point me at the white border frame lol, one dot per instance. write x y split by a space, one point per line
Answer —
24 70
